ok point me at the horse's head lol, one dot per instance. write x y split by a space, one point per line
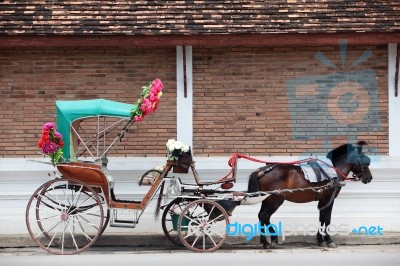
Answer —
350 157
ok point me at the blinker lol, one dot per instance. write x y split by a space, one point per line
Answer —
365 160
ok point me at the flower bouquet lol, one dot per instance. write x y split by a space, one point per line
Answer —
179 155
148 102
51 142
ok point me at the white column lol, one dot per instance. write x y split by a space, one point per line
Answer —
394 104
184 108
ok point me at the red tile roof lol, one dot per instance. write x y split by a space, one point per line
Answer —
197 17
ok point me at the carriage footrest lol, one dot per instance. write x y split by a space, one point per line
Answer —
123 223
125 218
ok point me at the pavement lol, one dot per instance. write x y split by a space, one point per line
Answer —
292 248
159 241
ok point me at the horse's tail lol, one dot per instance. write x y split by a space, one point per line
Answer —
253 183
253 179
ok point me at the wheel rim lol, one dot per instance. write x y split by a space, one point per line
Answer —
205 227
65 216
175 207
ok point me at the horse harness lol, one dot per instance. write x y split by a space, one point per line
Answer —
332 184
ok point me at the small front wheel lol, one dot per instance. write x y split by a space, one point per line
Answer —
202 226
65 216
170 218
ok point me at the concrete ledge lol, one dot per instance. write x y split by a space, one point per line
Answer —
159 240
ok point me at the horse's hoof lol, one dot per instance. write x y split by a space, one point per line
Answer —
331 245
267 246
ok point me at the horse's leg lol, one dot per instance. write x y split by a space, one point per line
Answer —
269 207
325 220
263 238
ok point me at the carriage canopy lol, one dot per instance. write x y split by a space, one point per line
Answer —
69 112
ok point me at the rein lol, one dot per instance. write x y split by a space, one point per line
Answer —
233 160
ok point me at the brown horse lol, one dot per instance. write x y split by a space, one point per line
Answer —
346 158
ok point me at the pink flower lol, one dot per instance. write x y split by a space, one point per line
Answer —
153 97
58 135
149 102
48 126
156 86
49 147
146 106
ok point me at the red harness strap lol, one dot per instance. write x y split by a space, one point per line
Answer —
233 160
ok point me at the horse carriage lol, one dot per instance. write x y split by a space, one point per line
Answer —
69 213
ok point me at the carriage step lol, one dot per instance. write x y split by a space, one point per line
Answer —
123 223
123 218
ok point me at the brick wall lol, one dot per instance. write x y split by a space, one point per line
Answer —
244 102
32 79
241 95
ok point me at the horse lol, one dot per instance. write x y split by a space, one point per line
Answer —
281 176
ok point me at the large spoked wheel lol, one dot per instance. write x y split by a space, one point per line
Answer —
202 226
170 218
65 216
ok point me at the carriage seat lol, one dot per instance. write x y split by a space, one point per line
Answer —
87 172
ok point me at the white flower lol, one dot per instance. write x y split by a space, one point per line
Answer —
171 148
178 145
175 149
170 143
185 148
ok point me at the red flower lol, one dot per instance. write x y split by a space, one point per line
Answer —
138 118
40 143
61 143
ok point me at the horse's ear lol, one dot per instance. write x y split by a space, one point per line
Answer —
362 143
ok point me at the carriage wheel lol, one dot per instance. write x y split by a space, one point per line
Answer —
106 220
170 218
202 226
87 193
65 216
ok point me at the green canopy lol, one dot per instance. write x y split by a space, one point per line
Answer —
70 111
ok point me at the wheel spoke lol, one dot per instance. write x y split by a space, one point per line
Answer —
82 230
49 230
195 240
54 235
73 237
215 219
212 240
74 199
85 221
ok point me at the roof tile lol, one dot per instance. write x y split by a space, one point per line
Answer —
55 17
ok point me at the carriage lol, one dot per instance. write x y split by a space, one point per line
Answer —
69 213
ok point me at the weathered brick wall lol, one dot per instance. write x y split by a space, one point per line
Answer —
240 96
32 79
242 99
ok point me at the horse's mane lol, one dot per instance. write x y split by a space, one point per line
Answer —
343 150
339 151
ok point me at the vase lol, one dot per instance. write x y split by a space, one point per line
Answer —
177 169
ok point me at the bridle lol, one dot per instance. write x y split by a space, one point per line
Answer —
363 161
